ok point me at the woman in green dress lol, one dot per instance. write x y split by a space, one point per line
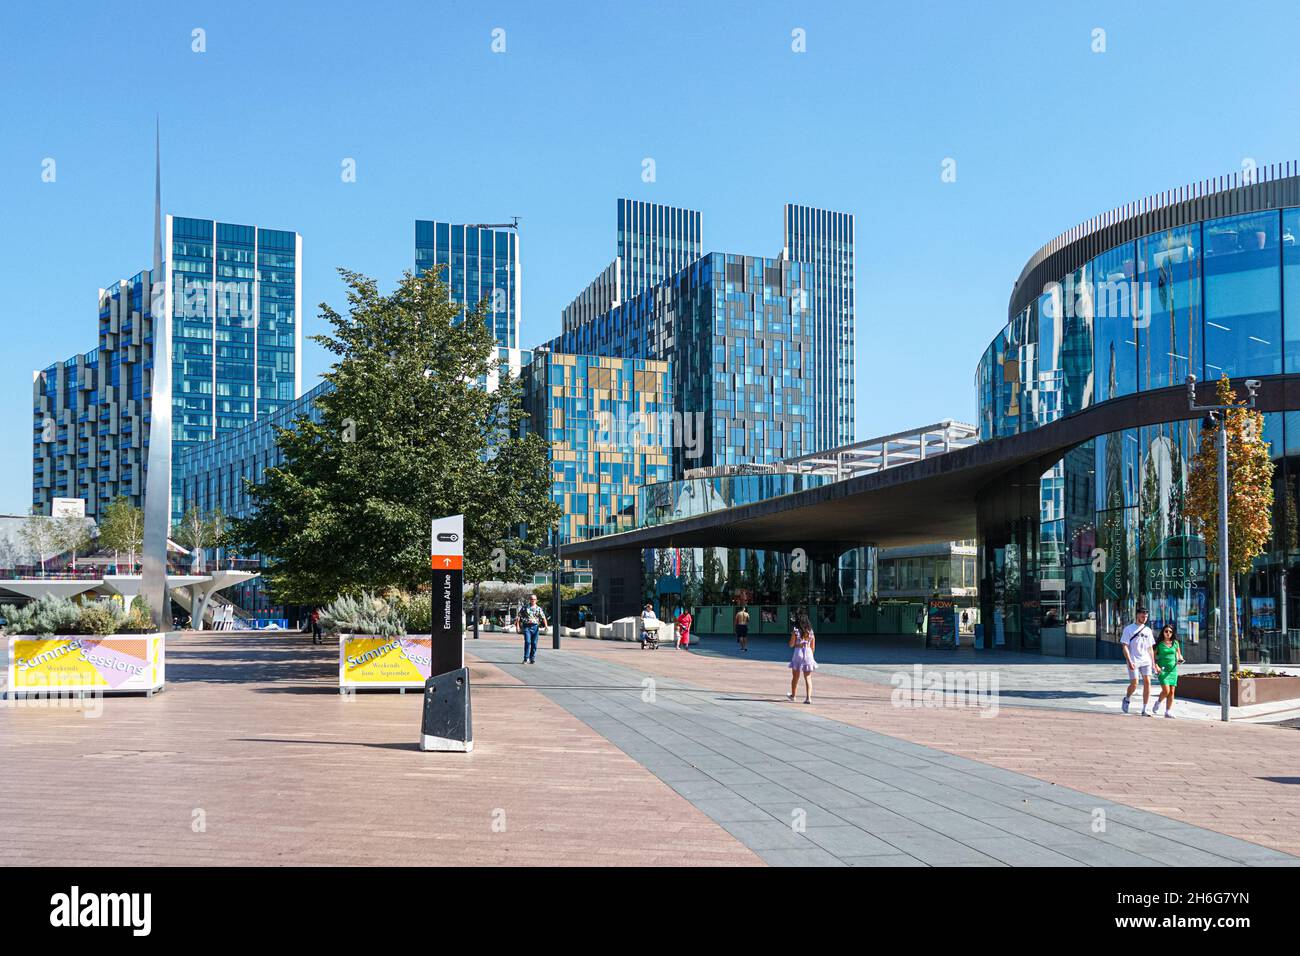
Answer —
1168 656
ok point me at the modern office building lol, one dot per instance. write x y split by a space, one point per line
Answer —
1104 325
236 358
480 265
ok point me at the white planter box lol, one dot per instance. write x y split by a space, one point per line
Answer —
384 663
87 663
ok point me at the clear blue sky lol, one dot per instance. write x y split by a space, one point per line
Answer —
1045 133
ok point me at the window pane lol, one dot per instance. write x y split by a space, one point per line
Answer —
1243 321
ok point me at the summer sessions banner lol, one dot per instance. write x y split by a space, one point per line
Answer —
379 662
126 663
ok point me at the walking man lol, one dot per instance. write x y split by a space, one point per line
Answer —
1138 644
531 618
742 628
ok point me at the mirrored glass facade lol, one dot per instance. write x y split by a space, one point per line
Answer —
481 263
1067 554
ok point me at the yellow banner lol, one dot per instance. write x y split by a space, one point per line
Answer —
384 661
128 662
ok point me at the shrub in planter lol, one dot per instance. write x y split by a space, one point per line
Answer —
418 611
46 615
58 615
363 614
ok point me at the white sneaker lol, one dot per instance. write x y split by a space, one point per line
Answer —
1168 714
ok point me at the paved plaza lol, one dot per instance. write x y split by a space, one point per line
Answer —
604 754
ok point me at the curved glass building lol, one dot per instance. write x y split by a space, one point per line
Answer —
1104 326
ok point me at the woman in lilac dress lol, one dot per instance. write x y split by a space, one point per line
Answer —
804 642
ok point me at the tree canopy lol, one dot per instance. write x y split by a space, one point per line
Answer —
407 434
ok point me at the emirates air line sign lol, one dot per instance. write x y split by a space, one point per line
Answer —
447 550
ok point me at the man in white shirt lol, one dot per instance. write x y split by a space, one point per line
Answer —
1138 644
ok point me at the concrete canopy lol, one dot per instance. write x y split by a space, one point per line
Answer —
931 500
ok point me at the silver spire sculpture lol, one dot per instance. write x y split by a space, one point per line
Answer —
158 478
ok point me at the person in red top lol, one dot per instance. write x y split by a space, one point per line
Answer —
684 630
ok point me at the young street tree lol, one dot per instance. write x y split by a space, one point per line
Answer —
407 435
198 531
73 533
1250 495
121 528
40 536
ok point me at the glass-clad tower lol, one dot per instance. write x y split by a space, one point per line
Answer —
235 342
823 241
654 243
235 294
481 263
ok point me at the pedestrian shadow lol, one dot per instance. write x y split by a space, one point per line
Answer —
1291 780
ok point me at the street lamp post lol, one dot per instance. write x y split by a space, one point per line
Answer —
1218 415
555 593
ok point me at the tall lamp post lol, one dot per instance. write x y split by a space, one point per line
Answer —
555 593
1217 415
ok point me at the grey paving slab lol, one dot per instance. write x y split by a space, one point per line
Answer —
892 859
859 797
804 856
1014 851
849 840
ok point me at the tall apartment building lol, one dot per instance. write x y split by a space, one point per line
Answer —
654 242
236 299
761 349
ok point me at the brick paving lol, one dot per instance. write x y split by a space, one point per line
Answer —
252 736
1238 779
252 740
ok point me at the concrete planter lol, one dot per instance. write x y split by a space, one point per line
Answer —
87 664
1243 691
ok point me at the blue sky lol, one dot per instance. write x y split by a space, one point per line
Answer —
1045 133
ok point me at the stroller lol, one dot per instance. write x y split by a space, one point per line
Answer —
650 633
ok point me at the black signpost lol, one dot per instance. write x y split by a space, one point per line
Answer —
446 724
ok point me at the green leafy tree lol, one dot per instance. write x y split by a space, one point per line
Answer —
407 434
121 528
1250 495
